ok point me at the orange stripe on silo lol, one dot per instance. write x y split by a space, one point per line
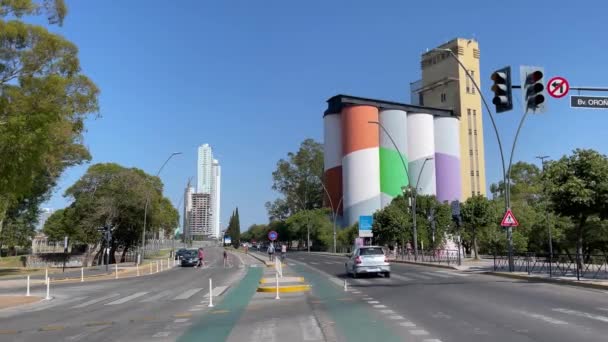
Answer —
357 132
333 183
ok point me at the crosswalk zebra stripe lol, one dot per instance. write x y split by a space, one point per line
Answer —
436 274
217 291
188 294
454 273
96 300
127 298
157 296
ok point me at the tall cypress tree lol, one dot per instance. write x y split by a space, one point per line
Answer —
236 229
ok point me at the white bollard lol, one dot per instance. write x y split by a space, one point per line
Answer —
345 285
168 263
82 274
161 265
277 277
46 275
210 293
137 268
115 271
150 268
48 290
27 293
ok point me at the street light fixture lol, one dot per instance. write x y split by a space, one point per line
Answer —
143 235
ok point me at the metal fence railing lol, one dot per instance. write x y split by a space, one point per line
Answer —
591 266
438 256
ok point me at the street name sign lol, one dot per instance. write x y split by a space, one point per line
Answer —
593 102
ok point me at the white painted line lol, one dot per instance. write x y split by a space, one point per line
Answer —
367 298
396 317
603 309
181 320
217 291
387 311
188 294
542 317
400 277
419 332
582 314
437 274
380 306
431 340
329 262
407 324
373 302
355 292
291 264
128 298
196 309
157 296
162 334
454 273
314 263
96 300
363 281
310 330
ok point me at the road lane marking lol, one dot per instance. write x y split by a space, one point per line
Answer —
543 318
379 306
400 277
396 317
157 296
162 334
265 332
582 314
217 291
431 340
97 324
310 329
437 274
454 273
128 298
603 309
314 263
52 328
387 311
407 324
419 332
188 294
373 302
181 320
96 300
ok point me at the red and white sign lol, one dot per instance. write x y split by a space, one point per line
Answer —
509 220
558 87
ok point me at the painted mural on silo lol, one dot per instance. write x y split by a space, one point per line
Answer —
447 158
421 151
332 161
360 162
393 174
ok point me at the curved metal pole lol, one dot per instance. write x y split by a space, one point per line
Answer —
143 235
502 158
335 218
334 211
414 197
508 187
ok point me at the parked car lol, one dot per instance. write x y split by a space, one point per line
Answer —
189 258
179 253
368 259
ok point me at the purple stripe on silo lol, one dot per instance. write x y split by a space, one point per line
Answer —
448 177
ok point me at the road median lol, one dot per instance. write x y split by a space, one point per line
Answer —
524 276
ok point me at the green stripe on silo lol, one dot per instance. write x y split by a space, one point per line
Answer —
392 173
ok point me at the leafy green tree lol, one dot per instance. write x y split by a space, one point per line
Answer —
578 189
316 221
478 215
236 230
393 224
299 180
44 102
346 237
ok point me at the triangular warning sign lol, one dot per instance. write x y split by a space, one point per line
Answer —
509 220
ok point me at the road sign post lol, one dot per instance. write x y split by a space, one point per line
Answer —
558 87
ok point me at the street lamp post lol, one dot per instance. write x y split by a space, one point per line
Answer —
334 211
143 235
413 199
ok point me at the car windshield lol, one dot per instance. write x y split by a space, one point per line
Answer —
371 251
190 254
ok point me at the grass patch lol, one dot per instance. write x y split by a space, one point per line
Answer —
13 261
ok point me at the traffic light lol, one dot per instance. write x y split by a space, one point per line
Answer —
533 89
503 96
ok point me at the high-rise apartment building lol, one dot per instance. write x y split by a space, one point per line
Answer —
445 85
199 219
204 169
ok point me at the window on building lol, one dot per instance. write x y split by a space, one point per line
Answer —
468 112
472 73
443 97
470 131
472 193
475 132
472 174
478 193
477 173
474 112
471 152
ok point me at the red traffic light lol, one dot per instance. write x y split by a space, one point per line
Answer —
499 76
534 77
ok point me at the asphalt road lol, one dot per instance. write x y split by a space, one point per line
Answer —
445 305
158 307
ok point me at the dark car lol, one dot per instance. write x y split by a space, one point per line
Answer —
189 258
179 253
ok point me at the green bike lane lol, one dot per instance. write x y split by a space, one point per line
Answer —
351 319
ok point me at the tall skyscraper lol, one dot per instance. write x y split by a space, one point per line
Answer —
204 169
445 85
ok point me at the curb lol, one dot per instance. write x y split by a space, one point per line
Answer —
424 264
284 289
547 280
272 281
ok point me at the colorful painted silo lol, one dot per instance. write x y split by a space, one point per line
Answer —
332 157
360 162
393 174
447 158
421 143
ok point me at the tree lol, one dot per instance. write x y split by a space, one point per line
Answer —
299 180
578 188
478 214
44 102
316 221
393 224
236 230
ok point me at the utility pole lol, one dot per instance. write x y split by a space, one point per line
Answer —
542 160
108 236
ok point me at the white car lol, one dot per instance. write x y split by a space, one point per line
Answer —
368 259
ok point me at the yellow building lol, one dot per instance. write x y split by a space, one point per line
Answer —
444 84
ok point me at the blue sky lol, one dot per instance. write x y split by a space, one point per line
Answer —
251 77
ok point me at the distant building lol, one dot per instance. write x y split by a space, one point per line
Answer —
204 169
215 197
200 222
187 210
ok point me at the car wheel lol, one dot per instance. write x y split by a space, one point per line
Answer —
387 274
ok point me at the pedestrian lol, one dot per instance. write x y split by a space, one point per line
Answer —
283 251
201 258
271 251
225 258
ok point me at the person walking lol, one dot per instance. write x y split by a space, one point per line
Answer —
201 258
283 251
225 258
271 251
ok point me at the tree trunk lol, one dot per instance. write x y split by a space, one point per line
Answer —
124 253
112 254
